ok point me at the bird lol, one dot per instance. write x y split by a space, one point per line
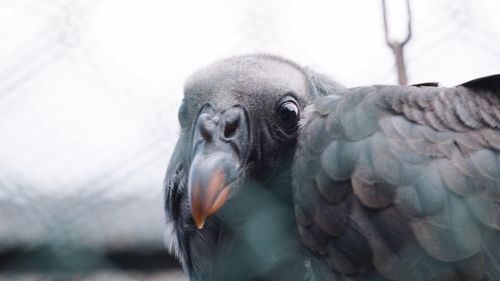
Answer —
282 173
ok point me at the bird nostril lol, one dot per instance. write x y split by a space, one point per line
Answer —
231 121
230 128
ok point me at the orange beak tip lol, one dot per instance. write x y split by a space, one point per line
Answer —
200 225
208 199
199 218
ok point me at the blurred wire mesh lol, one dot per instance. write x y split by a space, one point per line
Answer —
89 93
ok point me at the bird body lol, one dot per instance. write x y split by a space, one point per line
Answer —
280 173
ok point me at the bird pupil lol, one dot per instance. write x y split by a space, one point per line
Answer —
288 113
285 114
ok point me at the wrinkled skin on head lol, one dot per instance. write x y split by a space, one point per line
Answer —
228 190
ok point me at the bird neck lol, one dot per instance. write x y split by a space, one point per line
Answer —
253 236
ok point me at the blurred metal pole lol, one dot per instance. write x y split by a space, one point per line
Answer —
398 46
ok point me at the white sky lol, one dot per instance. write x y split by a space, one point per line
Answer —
89 89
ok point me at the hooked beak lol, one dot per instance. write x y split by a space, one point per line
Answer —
209 181
221 143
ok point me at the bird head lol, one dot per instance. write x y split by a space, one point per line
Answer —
239 123
243 117
228 193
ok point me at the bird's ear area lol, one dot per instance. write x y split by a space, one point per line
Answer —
183 114
321 85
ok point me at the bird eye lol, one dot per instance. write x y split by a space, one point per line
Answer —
183 114
288 115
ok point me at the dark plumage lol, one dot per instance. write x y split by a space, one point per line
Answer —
280 173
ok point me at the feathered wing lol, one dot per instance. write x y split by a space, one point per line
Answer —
403 182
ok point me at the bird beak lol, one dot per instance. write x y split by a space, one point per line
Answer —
221 142
209 181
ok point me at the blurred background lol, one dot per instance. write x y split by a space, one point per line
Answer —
89 91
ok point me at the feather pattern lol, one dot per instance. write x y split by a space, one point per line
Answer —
405 183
